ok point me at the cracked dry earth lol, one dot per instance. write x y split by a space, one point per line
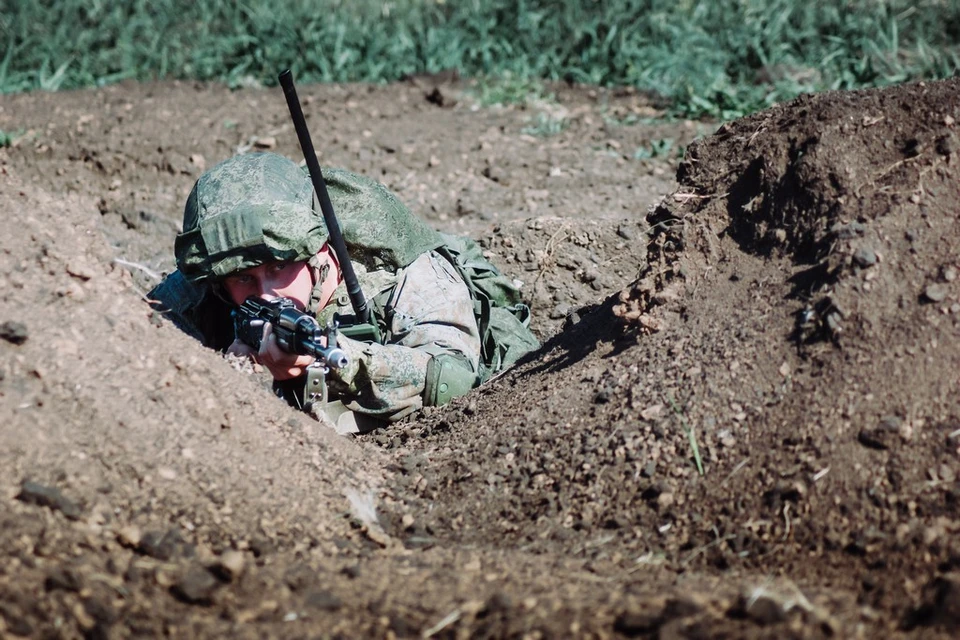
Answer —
744 420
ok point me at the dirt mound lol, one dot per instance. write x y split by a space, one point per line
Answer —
743 422
815 369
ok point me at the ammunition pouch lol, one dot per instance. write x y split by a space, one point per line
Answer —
448 376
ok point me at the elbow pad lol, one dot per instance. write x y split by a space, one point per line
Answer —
448 376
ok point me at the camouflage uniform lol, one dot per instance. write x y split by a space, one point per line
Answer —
428 312
256 209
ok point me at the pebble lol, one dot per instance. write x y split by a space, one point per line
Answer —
764 610
665 500
946 473
560 311
322 600
847 231
874 438
62 579
162 546
44 496
196 586
637 623
627 232
935 292
129 536
13 332
229 566
865 257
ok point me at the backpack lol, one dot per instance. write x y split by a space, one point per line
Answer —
502 317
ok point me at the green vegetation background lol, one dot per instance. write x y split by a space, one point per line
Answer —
720 58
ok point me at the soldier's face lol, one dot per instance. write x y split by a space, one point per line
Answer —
274 280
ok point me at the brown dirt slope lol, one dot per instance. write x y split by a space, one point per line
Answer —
786 318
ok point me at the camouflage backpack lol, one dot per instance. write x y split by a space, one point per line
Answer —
502 317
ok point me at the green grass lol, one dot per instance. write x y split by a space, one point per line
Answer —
546 125
7 137
719 58
661 148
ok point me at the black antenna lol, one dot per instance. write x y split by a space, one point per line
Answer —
359 303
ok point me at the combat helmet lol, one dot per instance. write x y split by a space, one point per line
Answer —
246 211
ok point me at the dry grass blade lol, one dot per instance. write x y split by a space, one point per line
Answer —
691 435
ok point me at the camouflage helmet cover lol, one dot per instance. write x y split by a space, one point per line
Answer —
246 211
258 208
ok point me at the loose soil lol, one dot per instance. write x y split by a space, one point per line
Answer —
744 420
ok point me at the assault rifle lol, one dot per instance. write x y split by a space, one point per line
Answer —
296 331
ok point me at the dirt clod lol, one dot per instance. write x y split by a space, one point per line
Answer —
196 586
13 332
42 495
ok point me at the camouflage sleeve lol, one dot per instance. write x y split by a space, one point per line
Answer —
432 313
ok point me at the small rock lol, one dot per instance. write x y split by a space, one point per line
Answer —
874 438
62 579
129 536
229 566
949 274
162 546
764 610
649 469
946 473
847 231
34 493
681 607
627 232
946 145
166 473
652 412
560 311
865 257
322 600
665 500
935 292
266 142
13 332
637 623
196 586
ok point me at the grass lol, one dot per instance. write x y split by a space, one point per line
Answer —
661 148
7 137
546 125
717 58
691 434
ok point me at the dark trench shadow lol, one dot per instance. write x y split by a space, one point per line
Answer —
580 338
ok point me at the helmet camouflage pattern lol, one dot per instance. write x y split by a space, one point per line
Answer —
258 208
246 211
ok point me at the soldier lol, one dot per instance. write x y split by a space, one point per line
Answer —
252 227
